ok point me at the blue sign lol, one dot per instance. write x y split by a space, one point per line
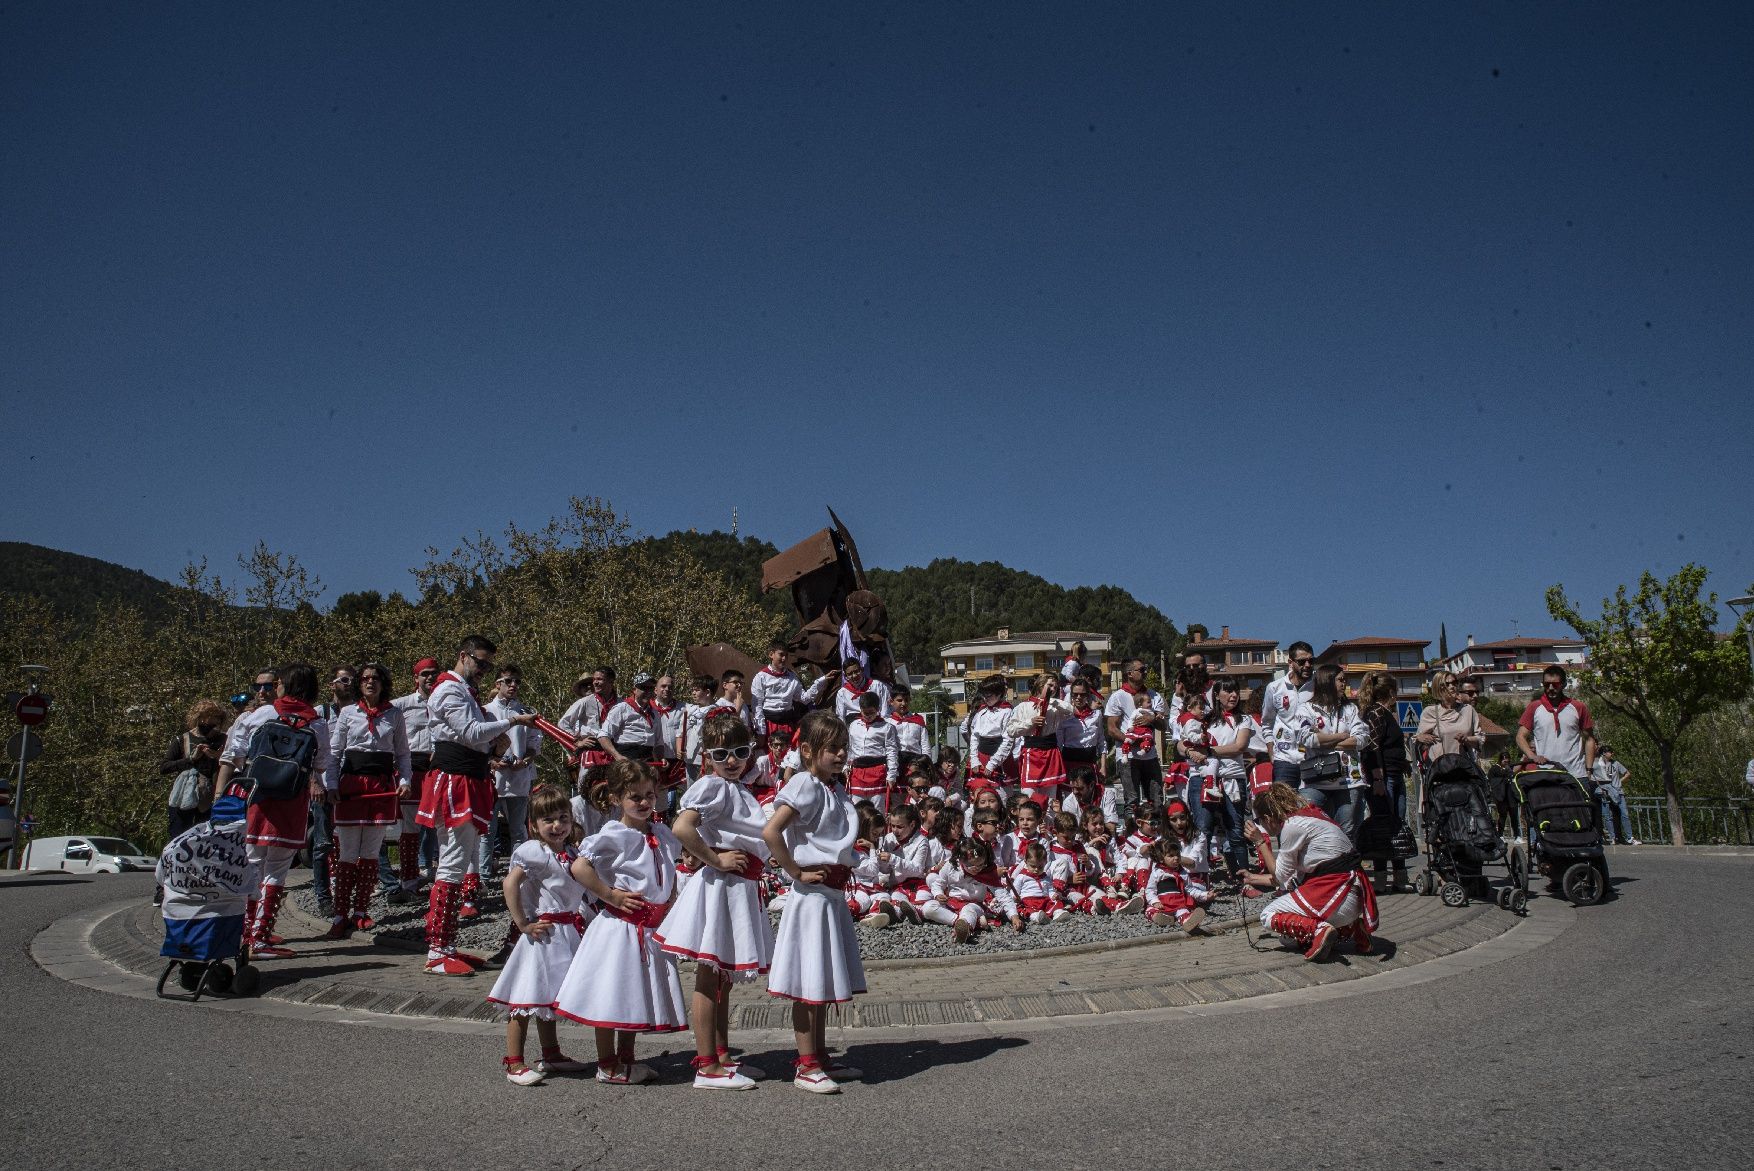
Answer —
1407 711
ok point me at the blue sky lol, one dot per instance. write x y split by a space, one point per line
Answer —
1310 321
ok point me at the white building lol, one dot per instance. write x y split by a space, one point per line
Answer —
1513 666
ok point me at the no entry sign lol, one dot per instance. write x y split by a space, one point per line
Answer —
31 709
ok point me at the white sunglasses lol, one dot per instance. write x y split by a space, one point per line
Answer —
721 755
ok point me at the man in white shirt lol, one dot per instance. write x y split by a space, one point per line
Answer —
1607 776
514 769
418 723
1556 729
1135 714
854 684
1281 700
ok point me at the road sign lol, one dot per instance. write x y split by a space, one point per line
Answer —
1407 711
25 746
31 709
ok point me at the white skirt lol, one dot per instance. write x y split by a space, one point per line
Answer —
531 979
816 955
620 979
718 920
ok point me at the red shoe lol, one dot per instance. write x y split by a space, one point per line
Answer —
1321 944
468 911
271 952
339 929
1360 938
1249 892
448 966
363 922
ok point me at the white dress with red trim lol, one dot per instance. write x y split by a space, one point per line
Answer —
719 919
621 978
816 952
530 982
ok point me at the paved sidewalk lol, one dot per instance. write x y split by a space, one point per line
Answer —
1130 975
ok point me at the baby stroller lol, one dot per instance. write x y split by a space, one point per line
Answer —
1461 838
1562 815
208 881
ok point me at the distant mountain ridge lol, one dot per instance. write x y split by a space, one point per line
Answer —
929 606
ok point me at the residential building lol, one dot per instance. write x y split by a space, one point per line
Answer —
1252 661
1512 667
1017 655
1404 658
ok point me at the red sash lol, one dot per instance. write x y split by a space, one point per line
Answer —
567 918
646 918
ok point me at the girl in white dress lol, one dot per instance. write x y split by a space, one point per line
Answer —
718 920
546 905
816 956
621 982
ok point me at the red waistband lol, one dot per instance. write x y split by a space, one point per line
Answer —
570 918
648 918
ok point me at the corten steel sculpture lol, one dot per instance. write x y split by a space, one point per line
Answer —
828 588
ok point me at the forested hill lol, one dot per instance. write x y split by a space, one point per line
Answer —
76 585
930 606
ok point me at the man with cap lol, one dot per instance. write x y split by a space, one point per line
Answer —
634 728
418 721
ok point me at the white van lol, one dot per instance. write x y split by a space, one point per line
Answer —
85 855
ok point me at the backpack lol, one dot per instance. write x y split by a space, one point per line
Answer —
279 760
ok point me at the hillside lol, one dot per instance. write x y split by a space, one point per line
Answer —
930 606
79 586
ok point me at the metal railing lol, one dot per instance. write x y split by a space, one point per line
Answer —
1705 821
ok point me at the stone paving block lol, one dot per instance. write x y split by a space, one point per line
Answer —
872 1013
996 1008
950 1012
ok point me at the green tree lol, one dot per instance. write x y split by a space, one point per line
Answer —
1657 660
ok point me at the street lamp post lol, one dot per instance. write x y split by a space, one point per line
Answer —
1739 605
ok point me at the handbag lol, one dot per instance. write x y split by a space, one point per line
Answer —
1317 767
190 790
1403 845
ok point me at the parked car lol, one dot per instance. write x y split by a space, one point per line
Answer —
85 855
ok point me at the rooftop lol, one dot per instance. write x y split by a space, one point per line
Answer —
1521 644
1050 637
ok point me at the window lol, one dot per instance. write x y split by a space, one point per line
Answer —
1356 657
1404 659
983 662
1410 685
1258 657
1026 661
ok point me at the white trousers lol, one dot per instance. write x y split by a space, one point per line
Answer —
354 843
1343 915
272 862
456 850
936 912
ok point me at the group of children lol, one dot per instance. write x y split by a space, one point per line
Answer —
612 890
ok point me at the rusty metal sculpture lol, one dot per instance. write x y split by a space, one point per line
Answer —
828 591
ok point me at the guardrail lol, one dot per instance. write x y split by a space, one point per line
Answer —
1714 821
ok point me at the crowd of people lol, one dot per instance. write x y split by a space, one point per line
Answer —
689 823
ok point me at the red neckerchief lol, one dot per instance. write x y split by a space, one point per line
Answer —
1553 711
909 718
1062 851
848 687
1315 811
661 709
774 673
868 722
371 715
1131 690
294 711
458 678
645 713
989 876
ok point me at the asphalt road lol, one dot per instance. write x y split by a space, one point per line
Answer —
1623 1043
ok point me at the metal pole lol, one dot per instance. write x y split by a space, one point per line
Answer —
13 855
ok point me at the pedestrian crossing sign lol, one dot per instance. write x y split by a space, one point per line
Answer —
1407 711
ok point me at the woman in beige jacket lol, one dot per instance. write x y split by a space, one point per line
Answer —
1448 725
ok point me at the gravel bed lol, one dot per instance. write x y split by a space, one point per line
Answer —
404 926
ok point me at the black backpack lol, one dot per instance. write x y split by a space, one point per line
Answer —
279 761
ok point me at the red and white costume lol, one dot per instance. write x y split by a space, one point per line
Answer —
1316 864
1231 773
816 952
457 804
1312 719
584 719
763 779
974 898
1041 769
915 857
1076 877
1166 892
911 737
991 762
1138 741
846 699
530 983
274 831
368 759
621 978
1558 732
417 726
636 729
873 760
1034 892
871 882
1133 865
1105 799
1083 737
1281 707
777 701
719 919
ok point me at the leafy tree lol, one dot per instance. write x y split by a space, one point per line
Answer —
1656 660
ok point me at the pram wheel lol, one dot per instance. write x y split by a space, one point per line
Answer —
1454 894
246 981
1424 885
1503 898
1583 884
1517 859
1519 902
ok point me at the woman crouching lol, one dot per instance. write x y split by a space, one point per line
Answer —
1316 865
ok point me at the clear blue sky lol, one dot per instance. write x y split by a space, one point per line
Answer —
1312 320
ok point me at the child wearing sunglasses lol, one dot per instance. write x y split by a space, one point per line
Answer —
718 920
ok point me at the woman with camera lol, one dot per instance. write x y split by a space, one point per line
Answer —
1333 736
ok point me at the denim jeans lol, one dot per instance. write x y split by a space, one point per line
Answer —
515 811
1226 819
1609 803
322 844
1345 806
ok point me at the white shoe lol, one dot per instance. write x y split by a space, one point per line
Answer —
875 919
815 1081
1133 905
729 1080
1062 913
633 1075
562 1064
962 930
1632 842
526 1075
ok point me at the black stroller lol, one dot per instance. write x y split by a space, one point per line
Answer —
1461 838
1563 817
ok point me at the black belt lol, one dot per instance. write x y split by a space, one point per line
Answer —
1344 864
868 761
419 761
988 744
640 752
1082 754
1041 742
361 762
459 759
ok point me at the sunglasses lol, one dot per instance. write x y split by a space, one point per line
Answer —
269 686
721 755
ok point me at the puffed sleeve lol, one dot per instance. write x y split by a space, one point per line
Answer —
710 797
804 794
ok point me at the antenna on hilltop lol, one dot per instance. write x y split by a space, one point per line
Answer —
1515 629
733 520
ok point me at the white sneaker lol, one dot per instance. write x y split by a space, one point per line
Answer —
815 1081
875 919
1062 913
729 1080
523 1075
1633 842
633 1075
1133 905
